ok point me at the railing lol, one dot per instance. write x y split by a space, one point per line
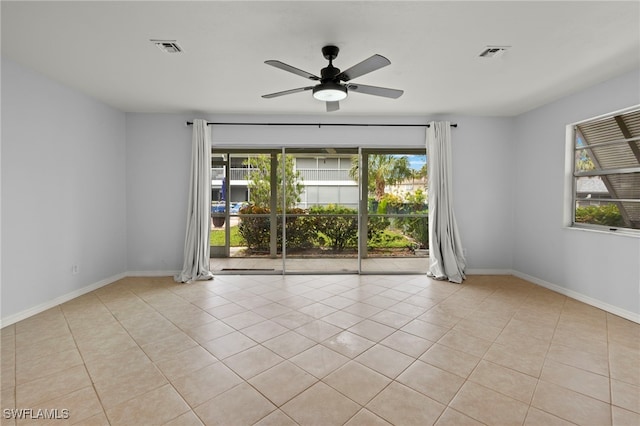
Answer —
242 173
325 174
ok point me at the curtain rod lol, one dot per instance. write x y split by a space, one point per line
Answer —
190 123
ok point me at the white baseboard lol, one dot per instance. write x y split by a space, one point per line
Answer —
488 272
151 273
631 316
12 319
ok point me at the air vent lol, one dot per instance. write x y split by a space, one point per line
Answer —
167 46
493 51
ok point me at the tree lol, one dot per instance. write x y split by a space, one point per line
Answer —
383 170
260 181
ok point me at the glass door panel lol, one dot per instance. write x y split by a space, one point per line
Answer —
395 189
248 224
322 223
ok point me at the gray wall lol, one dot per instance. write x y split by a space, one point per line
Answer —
602 266
63 190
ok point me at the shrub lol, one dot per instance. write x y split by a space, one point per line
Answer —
339 225
607 214
256 231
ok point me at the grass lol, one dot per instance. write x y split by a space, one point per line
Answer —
216 238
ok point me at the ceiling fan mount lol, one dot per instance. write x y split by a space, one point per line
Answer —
333 86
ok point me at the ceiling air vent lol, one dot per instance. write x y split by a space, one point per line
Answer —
493 51
167 46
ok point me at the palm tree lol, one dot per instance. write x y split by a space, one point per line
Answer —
383 170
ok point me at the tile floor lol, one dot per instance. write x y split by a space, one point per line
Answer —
324 350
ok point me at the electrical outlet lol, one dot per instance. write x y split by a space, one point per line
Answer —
75 270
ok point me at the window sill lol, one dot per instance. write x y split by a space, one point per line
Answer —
633 233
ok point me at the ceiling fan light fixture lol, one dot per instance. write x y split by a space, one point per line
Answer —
329 92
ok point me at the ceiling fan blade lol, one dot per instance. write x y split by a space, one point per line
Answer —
287 92
371 64
375 90
291 69
333 106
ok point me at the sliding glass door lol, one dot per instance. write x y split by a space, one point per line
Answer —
321 210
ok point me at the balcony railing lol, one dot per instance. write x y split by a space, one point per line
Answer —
242 173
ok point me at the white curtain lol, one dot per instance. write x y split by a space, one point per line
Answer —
196 243
446 261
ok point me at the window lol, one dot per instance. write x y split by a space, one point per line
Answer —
606 172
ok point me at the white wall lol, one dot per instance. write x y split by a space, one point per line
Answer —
63 190
603 267
158 152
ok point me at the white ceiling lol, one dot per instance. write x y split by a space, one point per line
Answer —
103 49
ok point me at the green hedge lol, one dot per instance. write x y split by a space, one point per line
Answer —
607 214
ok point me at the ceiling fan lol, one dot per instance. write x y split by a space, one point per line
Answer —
331 88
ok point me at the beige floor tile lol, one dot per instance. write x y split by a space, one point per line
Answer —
570 405
595 363
372 330
50 387
625 395
536 417
451 417
168 347
365 417
319 360
229 344
504 380
187 419
320 405
391 318
119 389
107 368
252 361
385 360
400 405
362 309
282 382
478 328
451 360
30 369
576 379
276 418
31 350
241 405
407 343
185 362
624 417
293 319
318 330
348 344
264 330
529 363
342 319
431 381
209 331
473 400
465 343
272 310
155 407
206 383
81 405
223 311
357 382
425 330
289 344
243 320
624 364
